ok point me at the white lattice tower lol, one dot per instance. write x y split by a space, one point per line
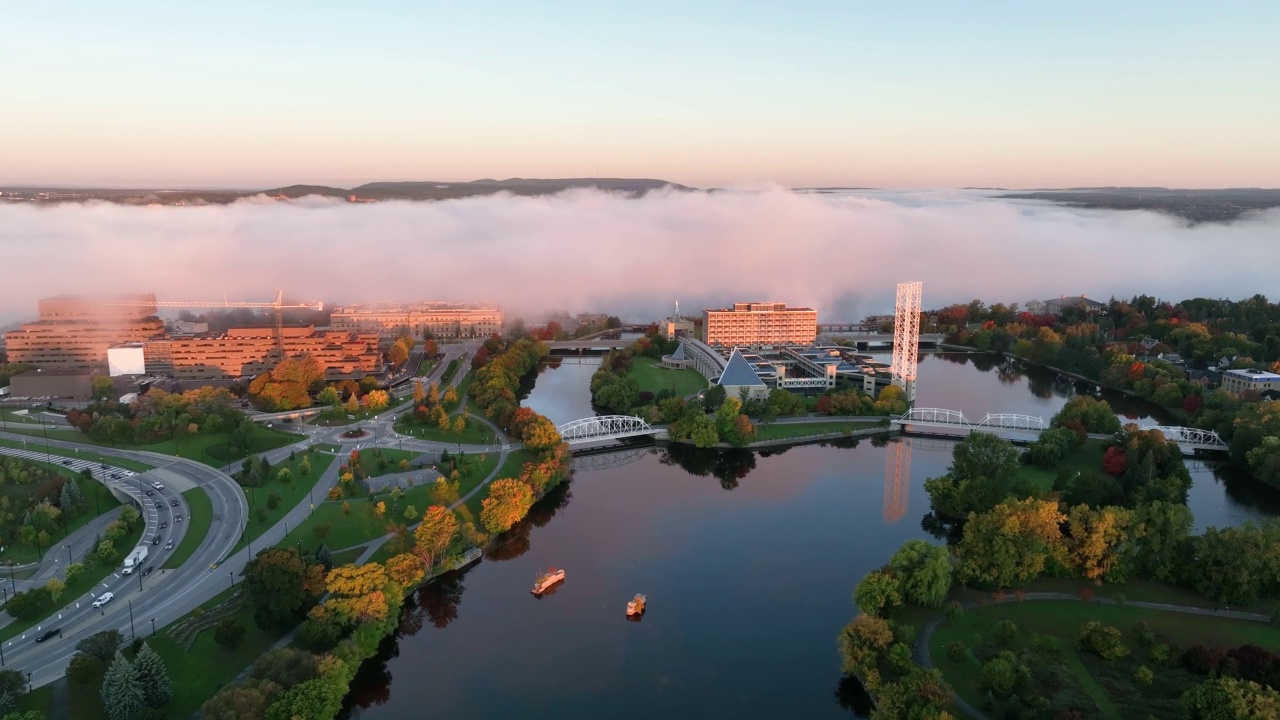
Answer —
906 337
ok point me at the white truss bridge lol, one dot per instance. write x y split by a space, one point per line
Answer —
603 428
1189 440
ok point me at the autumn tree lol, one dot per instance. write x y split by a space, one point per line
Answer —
406 569
1010 544
356 594
280 584
508 502
419 393
1095 540
878 592
433 536
376 401
1227 698
539 434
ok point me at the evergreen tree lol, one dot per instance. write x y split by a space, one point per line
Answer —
153 678
121 691
64 499
324 557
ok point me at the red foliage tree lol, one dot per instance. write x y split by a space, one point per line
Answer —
1137 371
824 404
481 358
1114 462
1192 403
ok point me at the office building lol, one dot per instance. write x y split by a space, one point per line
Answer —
74 332
1260 381
245 352
441 319
759 323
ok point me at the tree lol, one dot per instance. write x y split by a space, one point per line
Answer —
406 569
695 427
101 646
122 694
73 572
419 393
153 678
923 571
376 401
1004 675
540 434
1095 416
228 633
54 587
280 583
286 667
329 396
304 467
285 475
82 668
1226 698
877 592
1010 544
353 404
356 594
1095 540
713 398
321 531
508 502
984 456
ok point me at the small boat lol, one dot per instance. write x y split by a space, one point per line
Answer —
636 606
546 580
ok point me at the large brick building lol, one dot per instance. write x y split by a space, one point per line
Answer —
74 331
442 319
245 352
759 323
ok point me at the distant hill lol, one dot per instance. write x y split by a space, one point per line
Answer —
429 190
1197 206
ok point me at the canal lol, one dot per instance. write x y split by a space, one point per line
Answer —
749 561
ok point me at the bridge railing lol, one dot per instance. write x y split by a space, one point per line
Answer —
603 427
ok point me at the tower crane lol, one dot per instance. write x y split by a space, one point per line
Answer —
279 306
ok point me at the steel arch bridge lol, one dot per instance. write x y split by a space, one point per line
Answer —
604 427
1191 438
941 417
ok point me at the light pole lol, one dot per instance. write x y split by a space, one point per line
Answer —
131 633
153 627
68 547
233 579
45 429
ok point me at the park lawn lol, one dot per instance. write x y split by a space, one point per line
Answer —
1097 679
83 455
450 370
652 377
92 575
98 499
476 433
369 461
211 450
776 431
1087 458
198 521
290 493
349 556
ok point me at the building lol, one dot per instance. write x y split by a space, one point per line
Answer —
1057 305
52 383
441 319
676 325
740 375
759 323
245 352
1259 381
126 359
74 332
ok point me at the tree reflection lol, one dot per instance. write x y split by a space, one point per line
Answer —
510 544
372 683
985 362
733 465
439 600
555 500
694 461
950 531
727 466
852 696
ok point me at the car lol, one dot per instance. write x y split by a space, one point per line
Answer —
164 525
103 599
168 545
155 541
159 505
66 462
177 518
115 476
158 486
49 634
104 466
150 493
174 503
148 570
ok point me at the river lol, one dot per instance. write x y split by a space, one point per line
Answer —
749 562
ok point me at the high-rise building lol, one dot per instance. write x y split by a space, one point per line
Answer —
442 319
74 331
759 323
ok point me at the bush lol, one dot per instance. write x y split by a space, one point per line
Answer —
1144 675
1104 640
957 652
1005 633
82 668
1143 634
273 500
1004 675
1160 654
228 633
29 604
954 610
1202 660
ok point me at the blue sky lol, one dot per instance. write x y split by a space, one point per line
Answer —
908 94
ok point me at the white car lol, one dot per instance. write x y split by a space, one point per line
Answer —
158 486
103 599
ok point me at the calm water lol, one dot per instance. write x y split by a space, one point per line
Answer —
749 561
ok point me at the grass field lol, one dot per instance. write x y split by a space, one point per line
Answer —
290 494
377 462
80 589
81 454
347 557
1087 458
651 377
450 370
776 431
208 449
476 433
1108 685
198 521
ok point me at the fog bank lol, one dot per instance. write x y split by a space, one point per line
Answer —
593 251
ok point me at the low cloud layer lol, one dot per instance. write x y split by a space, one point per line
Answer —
587 251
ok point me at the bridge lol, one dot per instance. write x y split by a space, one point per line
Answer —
604 428
1190 440
585 345
608 459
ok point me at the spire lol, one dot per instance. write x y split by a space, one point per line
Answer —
676 317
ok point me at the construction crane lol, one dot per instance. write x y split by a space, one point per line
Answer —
279 306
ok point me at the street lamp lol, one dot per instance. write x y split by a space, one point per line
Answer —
68 547
153 627
233 578
131 633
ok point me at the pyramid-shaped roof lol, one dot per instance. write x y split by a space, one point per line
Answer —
738 372
679 353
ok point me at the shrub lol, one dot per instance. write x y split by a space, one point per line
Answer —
954 610
1202 660
228 633
1144 675
1143 634
957 652
1160 654
904 633
1004 675
1006 632
1104 640
273 500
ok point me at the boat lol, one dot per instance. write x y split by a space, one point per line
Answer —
546 580
636 606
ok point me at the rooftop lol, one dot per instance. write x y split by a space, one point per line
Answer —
739 372
1258 375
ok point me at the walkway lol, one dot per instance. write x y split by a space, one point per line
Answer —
920 653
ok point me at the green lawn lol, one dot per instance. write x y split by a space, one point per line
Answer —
347 557
1087 458
82 454
476 433
290 494
98 499
370 461
92 575
362 523
650 376
198 520
1109 685
776 431
209 449
450 370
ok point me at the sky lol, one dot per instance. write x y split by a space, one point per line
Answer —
712 93
591 251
